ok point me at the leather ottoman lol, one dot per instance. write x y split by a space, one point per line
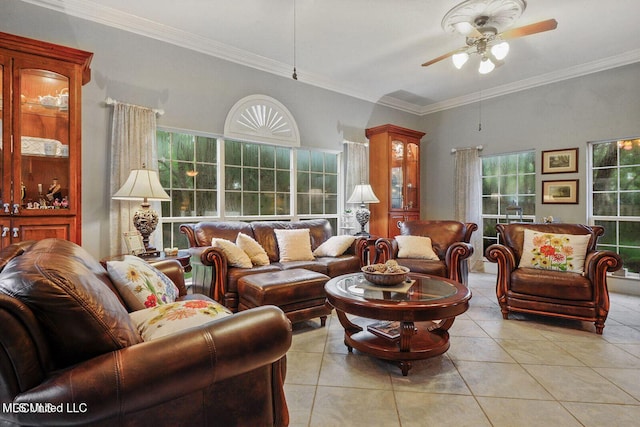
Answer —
298 292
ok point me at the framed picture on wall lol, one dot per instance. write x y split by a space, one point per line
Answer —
560 161
560 192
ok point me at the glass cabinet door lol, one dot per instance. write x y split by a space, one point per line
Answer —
412 166
43 132
397 174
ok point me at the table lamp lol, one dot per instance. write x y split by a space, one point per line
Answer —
363 193
143 184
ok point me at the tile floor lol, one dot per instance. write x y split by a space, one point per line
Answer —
525 371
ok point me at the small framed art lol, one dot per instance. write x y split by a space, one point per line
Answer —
133 240
560 192
560 161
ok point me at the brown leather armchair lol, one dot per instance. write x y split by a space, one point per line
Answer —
450 241
549 292
69 354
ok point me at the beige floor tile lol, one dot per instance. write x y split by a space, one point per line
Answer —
436 375
484 313
538 353
303 367
633 349
467 328
501 380
621 334
355 370
598 415
425 409
526 413
627 379
310 339
578 384
511 329
599 354
354 407
477 349
300 402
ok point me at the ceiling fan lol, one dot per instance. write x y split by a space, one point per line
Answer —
484 23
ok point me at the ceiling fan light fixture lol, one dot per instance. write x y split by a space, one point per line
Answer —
500 50
464 28
459 59
486 66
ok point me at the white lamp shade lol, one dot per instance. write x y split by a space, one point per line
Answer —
500 50
363 193
459 59
486 66
142 184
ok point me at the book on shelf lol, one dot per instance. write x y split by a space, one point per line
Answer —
389 329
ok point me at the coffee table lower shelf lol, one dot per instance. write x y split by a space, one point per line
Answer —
420 340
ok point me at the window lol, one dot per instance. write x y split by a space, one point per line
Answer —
257 179
507 180
614 193
257 182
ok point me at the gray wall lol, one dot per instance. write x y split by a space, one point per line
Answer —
567 114
195 90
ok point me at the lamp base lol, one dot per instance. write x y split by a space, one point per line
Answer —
362 216
145 221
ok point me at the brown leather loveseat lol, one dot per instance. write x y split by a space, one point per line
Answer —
70 355
220 280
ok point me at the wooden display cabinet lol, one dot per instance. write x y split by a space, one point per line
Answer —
394 164
41 139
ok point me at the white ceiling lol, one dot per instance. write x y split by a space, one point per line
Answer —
373 49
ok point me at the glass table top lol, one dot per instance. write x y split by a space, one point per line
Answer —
422 289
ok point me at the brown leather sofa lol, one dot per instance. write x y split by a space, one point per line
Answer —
70 355
563 294
215 277
450 242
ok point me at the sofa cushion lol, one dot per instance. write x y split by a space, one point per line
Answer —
294 245
140 284
236 257
550 251
334 246
415 247
56 279
160 321
256 253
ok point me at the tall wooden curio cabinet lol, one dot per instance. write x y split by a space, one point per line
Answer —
394 175
41 144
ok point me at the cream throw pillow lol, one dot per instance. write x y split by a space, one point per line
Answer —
415 247
163 320
548 251
294 245
236 257
334 246
140 284
256 253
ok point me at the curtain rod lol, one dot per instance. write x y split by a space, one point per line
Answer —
111 101
477 147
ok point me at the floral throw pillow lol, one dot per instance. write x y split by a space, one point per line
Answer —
163 320
560 252
140 284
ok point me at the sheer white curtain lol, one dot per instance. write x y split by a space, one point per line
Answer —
356 166
133 143
468 191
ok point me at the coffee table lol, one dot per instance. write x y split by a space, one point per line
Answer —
424 311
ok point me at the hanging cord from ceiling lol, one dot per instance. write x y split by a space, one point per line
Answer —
480 112
295 73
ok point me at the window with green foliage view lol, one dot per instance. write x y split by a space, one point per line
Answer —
615 198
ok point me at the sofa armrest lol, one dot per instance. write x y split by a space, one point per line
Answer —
506 260
386 249
174 271
596 266
150 373
455 260
214 258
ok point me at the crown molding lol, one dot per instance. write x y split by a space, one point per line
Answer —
144 27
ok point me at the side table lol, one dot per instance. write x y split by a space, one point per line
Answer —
184 257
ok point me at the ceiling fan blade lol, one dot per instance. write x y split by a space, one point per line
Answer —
445 56
538 27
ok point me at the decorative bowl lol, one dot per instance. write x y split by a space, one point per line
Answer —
384 278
